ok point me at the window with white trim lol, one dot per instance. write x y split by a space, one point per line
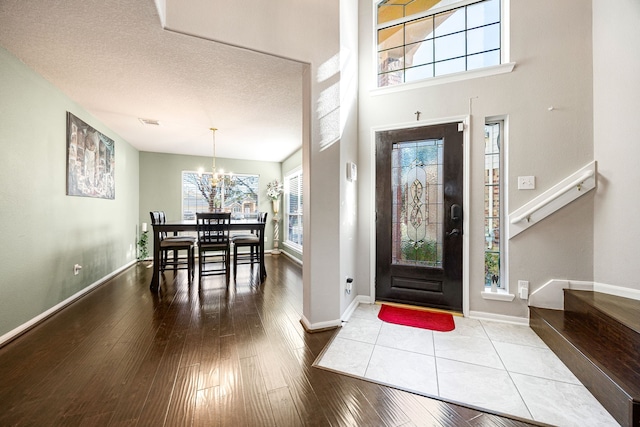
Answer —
420 39
293 218
235 193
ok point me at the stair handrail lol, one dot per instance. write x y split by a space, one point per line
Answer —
577 182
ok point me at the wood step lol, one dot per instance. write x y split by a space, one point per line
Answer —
598 337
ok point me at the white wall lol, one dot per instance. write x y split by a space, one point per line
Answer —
349 152
44 232
551 46
616 88
307 32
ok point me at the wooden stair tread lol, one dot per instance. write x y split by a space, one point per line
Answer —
624 310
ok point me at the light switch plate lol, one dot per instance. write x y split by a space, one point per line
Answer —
352 171
526 183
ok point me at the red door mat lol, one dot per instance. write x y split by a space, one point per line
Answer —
442 322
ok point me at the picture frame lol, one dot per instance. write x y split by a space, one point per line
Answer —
90 161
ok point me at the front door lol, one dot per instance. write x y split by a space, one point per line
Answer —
419 216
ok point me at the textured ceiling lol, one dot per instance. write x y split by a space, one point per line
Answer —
114 59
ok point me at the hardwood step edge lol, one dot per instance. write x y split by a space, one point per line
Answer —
623 407
630 387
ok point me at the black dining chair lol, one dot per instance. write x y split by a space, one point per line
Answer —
251 241
173 245
214 247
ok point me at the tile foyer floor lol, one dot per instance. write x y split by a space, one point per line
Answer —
496 366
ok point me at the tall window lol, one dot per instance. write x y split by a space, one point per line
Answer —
493 206
293 192
234 193
419 39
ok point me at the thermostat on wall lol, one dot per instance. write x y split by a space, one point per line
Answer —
352 171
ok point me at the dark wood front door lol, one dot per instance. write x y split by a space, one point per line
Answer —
419 216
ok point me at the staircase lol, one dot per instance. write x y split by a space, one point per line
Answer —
598 337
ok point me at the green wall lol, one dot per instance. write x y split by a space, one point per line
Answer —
161 183
44 231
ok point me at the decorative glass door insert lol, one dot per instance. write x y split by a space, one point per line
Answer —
417 194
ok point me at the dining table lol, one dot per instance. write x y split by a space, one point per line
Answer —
175 227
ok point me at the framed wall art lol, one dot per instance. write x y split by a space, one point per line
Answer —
91 161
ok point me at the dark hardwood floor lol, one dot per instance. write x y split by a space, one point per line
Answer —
124 356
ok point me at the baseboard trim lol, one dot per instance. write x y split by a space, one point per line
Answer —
320 326
618 291
291 257
15 333
481 315
360 299
551 295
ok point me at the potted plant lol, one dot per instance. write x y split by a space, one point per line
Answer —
143 251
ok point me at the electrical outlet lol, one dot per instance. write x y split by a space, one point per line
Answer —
523 289
76 269
349 285
526 183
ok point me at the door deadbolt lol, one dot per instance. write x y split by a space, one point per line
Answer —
456 212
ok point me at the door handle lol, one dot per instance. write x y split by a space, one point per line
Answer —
454 232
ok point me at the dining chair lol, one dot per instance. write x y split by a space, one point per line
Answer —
213 243
173 245
251 241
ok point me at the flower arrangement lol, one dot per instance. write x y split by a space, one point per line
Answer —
274 189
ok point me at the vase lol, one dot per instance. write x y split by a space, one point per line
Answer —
275 204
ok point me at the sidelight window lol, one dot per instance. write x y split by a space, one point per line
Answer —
493 206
